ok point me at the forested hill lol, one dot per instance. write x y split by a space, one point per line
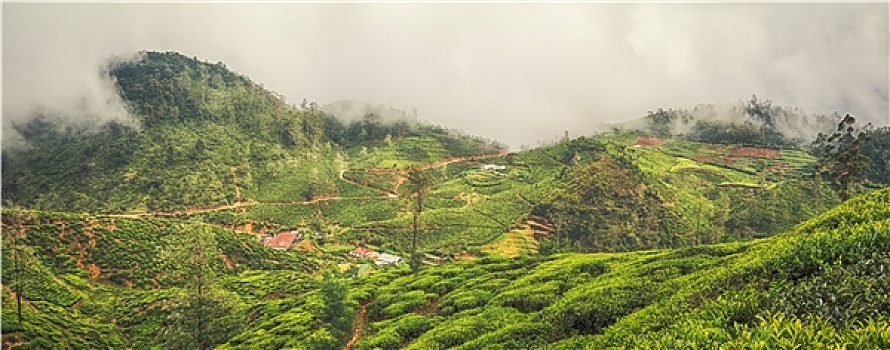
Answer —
208 136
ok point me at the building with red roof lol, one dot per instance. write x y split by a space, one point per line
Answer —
283 240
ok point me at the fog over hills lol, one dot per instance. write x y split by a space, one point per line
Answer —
519 73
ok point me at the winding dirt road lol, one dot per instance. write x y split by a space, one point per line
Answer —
358 327
251 202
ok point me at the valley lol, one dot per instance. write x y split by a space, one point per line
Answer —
233 220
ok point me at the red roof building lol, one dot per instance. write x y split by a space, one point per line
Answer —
283 240
362 252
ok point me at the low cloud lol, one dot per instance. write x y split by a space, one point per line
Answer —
519 73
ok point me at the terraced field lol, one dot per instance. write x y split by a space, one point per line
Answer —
521 240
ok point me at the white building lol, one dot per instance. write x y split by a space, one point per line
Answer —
387 259
492 167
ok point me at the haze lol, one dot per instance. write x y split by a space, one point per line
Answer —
518 73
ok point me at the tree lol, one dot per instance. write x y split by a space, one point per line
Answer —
418 182
337 312
840 156
203 316
877 148
660 123
21 255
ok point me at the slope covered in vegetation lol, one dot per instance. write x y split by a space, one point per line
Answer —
560 240
824 282
208 136
90 281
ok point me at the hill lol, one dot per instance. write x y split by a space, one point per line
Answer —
823 282
208 136
215 145
605 193
94 281
160 235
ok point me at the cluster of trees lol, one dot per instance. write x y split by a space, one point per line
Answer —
876 147
852 156
203 315
369 129
607 204
418 183
757 122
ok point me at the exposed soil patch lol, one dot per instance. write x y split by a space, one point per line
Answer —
358 327
779 168
756 152
399 180
464 256
235 181
430 309
706 159
649 141
110 224
304 245
11 341
227 262
94 270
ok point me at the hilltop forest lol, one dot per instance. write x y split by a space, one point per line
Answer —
702 228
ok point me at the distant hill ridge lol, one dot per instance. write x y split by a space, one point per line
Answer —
209 136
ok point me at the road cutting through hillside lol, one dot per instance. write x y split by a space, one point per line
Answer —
250 202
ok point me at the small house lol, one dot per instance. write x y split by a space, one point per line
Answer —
362 252
387 259
283 240
492 167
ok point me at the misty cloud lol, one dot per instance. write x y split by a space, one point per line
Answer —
518 73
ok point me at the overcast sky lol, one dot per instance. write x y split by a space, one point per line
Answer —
519 73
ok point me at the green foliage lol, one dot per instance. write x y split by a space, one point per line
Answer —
824 282
314 321
392 333
336 311
210 137
607 205
780 208
200 321
756 122
876 147
840 156
207 136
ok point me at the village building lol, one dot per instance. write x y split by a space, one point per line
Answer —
362 252
492 167
387 259
283 240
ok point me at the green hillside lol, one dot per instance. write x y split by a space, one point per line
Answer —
731 234
95 281
605 193
208 136
91 281
824 283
